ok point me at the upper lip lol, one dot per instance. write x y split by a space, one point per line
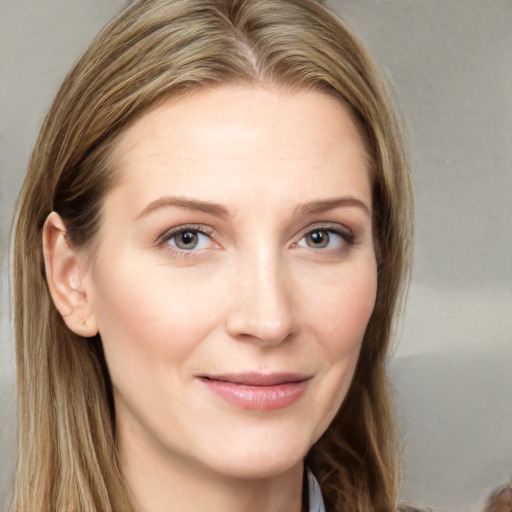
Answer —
259 379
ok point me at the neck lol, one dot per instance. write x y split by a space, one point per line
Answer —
175 483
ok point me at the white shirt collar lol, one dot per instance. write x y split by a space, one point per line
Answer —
316 502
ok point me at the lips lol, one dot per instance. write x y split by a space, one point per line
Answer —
258 391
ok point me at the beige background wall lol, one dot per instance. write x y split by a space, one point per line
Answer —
450 65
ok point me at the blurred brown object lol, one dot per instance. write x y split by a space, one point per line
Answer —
500 500
409 507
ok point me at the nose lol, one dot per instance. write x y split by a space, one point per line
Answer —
262 304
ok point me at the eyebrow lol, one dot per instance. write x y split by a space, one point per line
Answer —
325 205
187 203
219 210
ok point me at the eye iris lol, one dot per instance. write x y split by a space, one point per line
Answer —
318 239
186 240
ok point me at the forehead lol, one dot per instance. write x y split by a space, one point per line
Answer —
236 141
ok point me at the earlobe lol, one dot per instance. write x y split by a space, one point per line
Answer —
65 270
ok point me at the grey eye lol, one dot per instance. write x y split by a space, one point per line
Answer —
322 239
318 239
189 239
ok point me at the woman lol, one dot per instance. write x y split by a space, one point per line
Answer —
210 247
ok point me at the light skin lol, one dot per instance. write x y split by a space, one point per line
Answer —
237 246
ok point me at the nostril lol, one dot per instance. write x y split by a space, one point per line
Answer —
260 326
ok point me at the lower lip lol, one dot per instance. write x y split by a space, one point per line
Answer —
263 398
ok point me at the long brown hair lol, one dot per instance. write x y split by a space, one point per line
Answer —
155 48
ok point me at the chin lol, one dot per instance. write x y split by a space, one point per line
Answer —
260 466
261 456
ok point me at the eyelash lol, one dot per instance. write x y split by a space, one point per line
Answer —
173 232
330 228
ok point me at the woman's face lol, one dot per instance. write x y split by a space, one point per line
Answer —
234 277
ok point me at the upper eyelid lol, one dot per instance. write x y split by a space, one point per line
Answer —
327 226
169 233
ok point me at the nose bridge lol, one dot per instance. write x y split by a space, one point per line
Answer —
262 305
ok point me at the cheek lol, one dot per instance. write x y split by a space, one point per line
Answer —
337 314
342 311
148 314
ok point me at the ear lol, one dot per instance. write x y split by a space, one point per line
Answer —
66 271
